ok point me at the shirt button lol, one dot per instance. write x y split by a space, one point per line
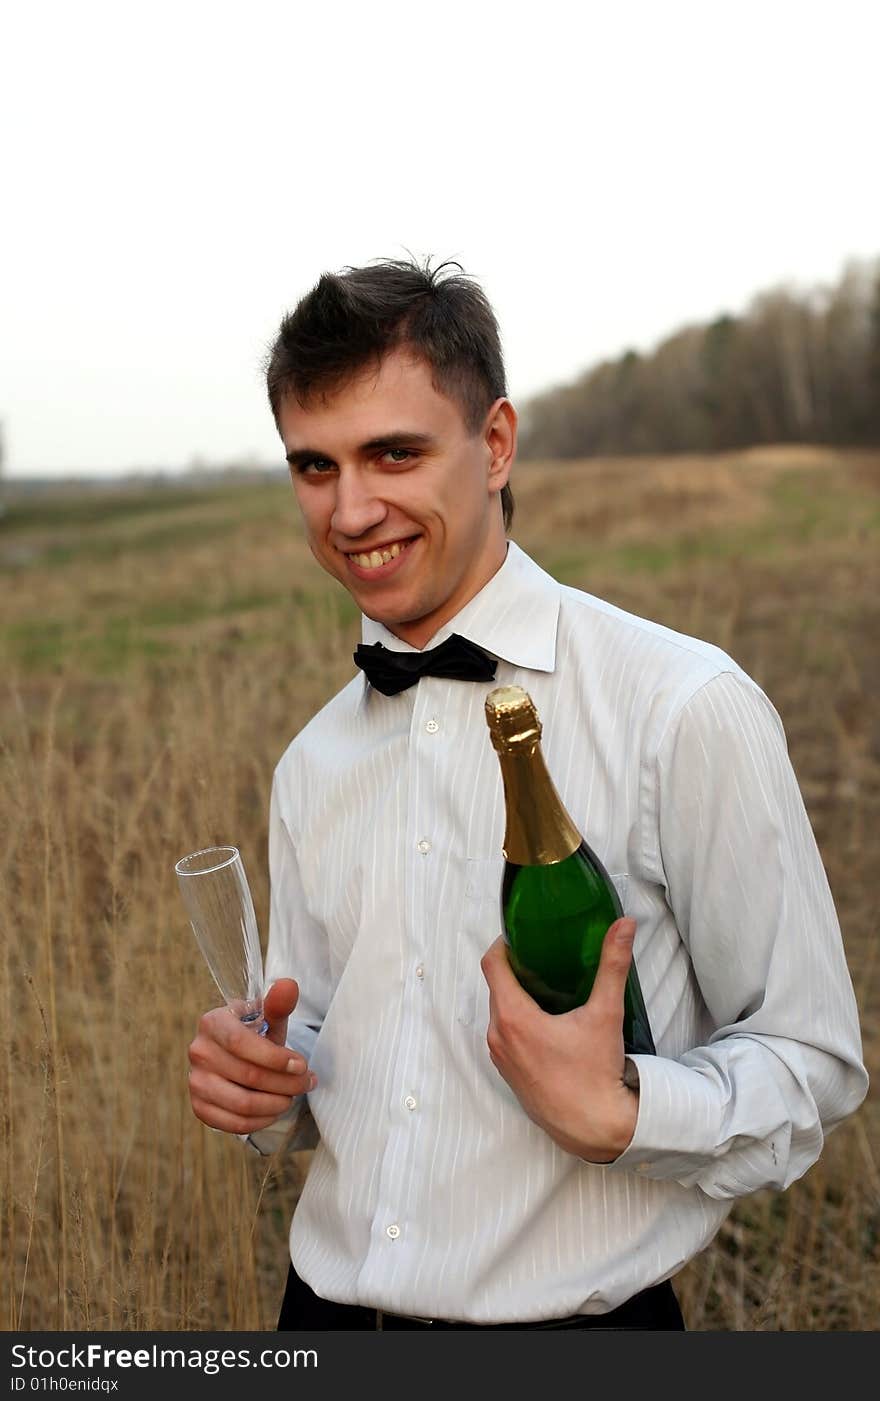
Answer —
392 1232
410 1102
432 727
420 972
424 847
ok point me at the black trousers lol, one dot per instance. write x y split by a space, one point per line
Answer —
302 1308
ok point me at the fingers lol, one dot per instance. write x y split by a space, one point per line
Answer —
498 973
208 1056
512 1012
278 1003
494 957
219 1027
213 1092
228 1104
614 963
217 1118
508 999
238 1081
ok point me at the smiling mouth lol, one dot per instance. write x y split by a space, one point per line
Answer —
374 559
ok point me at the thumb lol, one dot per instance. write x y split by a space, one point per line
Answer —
614 962
278 1004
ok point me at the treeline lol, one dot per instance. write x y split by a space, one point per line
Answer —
794 367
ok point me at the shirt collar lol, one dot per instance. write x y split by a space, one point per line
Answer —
493 618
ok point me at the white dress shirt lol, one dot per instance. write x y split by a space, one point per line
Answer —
430 1191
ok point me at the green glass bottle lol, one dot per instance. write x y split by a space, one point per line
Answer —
557 899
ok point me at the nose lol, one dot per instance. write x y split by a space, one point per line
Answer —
356 508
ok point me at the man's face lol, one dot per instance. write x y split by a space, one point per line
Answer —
384 471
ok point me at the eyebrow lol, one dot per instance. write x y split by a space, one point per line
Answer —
398 439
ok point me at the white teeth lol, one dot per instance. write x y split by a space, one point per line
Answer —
377 557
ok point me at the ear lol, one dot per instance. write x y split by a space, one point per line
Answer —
500 438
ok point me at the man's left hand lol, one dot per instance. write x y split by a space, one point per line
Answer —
566 1070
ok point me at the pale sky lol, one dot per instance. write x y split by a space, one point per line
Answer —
176 175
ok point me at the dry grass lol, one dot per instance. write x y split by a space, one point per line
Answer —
157 654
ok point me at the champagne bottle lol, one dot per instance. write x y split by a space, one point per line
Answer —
557 899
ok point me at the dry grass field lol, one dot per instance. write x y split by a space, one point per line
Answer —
158 649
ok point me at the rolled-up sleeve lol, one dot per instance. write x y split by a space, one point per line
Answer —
745 881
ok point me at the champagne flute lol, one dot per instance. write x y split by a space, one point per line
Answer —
218 901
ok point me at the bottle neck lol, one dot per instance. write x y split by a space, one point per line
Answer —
539 831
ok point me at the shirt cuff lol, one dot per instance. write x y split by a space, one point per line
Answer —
678 1124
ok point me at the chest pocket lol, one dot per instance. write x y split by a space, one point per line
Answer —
480 923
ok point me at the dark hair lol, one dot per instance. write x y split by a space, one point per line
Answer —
355 317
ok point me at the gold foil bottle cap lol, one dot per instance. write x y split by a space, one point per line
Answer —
539 831
512 719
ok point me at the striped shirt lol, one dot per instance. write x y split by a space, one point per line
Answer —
430 1191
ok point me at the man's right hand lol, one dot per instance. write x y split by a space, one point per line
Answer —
242 1082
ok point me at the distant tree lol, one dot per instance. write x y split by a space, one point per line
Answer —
873 375
718 357
795 366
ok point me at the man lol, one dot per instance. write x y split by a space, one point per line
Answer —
479 1162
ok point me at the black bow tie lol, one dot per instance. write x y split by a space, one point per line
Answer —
456 659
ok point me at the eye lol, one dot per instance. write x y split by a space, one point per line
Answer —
405 451
315 467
